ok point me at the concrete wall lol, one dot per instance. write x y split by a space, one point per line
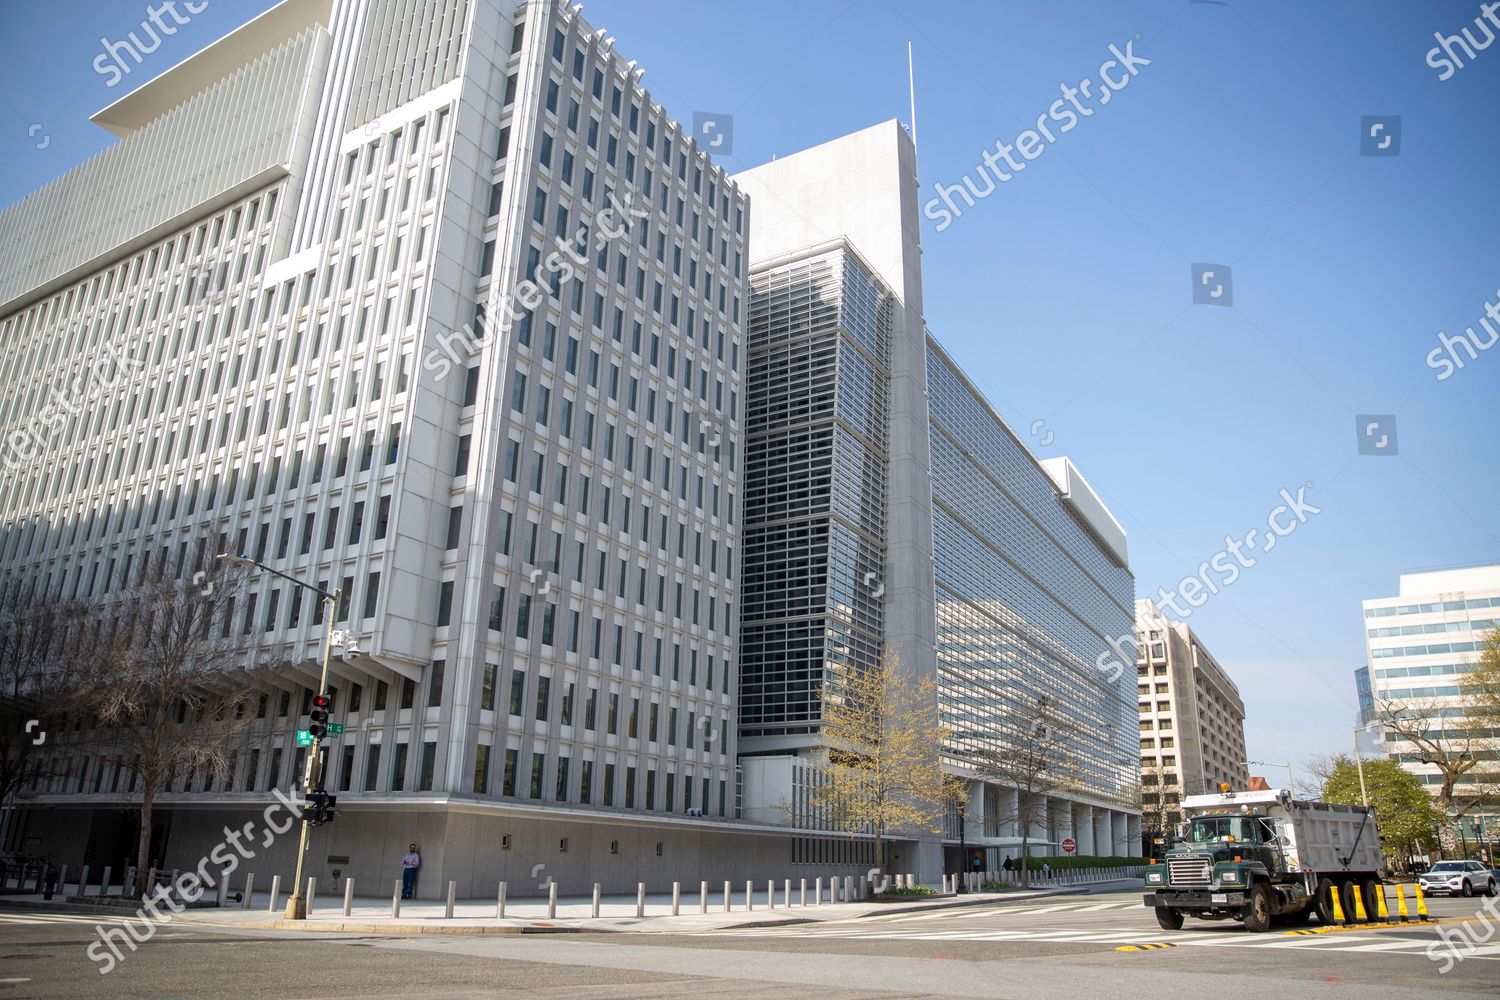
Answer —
459 844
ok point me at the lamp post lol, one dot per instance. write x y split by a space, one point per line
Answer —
1359 763
296 906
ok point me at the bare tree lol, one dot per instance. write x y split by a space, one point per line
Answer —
1153 802
880 754
1454 747
171 687
1037 758
43 645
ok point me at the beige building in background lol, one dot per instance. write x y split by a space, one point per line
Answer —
1192 716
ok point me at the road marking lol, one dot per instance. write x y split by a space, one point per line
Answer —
1149 946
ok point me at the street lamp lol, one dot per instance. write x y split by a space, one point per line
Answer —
1359 763
296 906
1290 782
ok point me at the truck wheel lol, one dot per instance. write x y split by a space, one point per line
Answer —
1468 889
1372 891
1170 919
1346 896
1258 909
1322 905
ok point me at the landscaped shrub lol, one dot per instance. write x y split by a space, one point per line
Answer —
915 890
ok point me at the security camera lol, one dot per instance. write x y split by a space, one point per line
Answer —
352 650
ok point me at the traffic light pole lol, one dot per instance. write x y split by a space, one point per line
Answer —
296 906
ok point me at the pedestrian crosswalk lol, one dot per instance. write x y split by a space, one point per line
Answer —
1112 923
34 919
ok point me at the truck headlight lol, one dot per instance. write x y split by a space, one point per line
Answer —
1229 877
1155 878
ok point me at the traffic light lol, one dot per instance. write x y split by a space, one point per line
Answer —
320 807
322 704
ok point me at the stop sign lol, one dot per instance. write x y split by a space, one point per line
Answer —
1069 846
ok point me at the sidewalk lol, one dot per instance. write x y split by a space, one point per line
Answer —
574 913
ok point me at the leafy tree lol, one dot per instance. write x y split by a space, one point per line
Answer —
1037 759
879 754
1405 811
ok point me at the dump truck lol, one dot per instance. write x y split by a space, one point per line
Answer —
1253 856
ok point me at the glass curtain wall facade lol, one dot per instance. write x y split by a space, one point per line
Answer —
1027 598
815 501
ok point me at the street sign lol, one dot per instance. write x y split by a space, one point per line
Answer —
304 738
1069 846
335 728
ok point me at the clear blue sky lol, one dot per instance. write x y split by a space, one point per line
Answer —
1067 292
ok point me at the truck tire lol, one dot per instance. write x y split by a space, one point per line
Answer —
1168 918
1372 891
1322 905
1258 909
1468 889
1346 897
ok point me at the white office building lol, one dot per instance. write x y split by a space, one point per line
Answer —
888 504
429 301
1420 643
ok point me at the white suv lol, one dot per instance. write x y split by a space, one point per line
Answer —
1458 878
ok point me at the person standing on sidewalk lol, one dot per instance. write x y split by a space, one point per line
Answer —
410 862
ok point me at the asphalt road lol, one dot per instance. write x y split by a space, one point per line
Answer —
1063 947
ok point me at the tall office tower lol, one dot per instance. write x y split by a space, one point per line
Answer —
1192 717
894 508
1419 643
428 301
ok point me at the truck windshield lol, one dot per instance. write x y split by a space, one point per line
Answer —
1217 829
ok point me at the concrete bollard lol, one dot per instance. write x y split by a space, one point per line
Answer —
749 895
348 896
786 893
818 891
727 897
702 897
448 907
396 900
802 893
770 894
104 881
224 890
640 899
595 910
62 879
848 888
127 882
676 899
83 881
312 891
275 892
551 900
500 902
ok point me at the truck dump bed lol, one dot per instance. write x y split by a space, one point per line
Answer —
1327 837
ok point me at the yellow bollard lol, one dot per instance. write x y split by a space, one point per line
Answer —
1359 904
1401 909
1384 911
1338 905
1421 903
